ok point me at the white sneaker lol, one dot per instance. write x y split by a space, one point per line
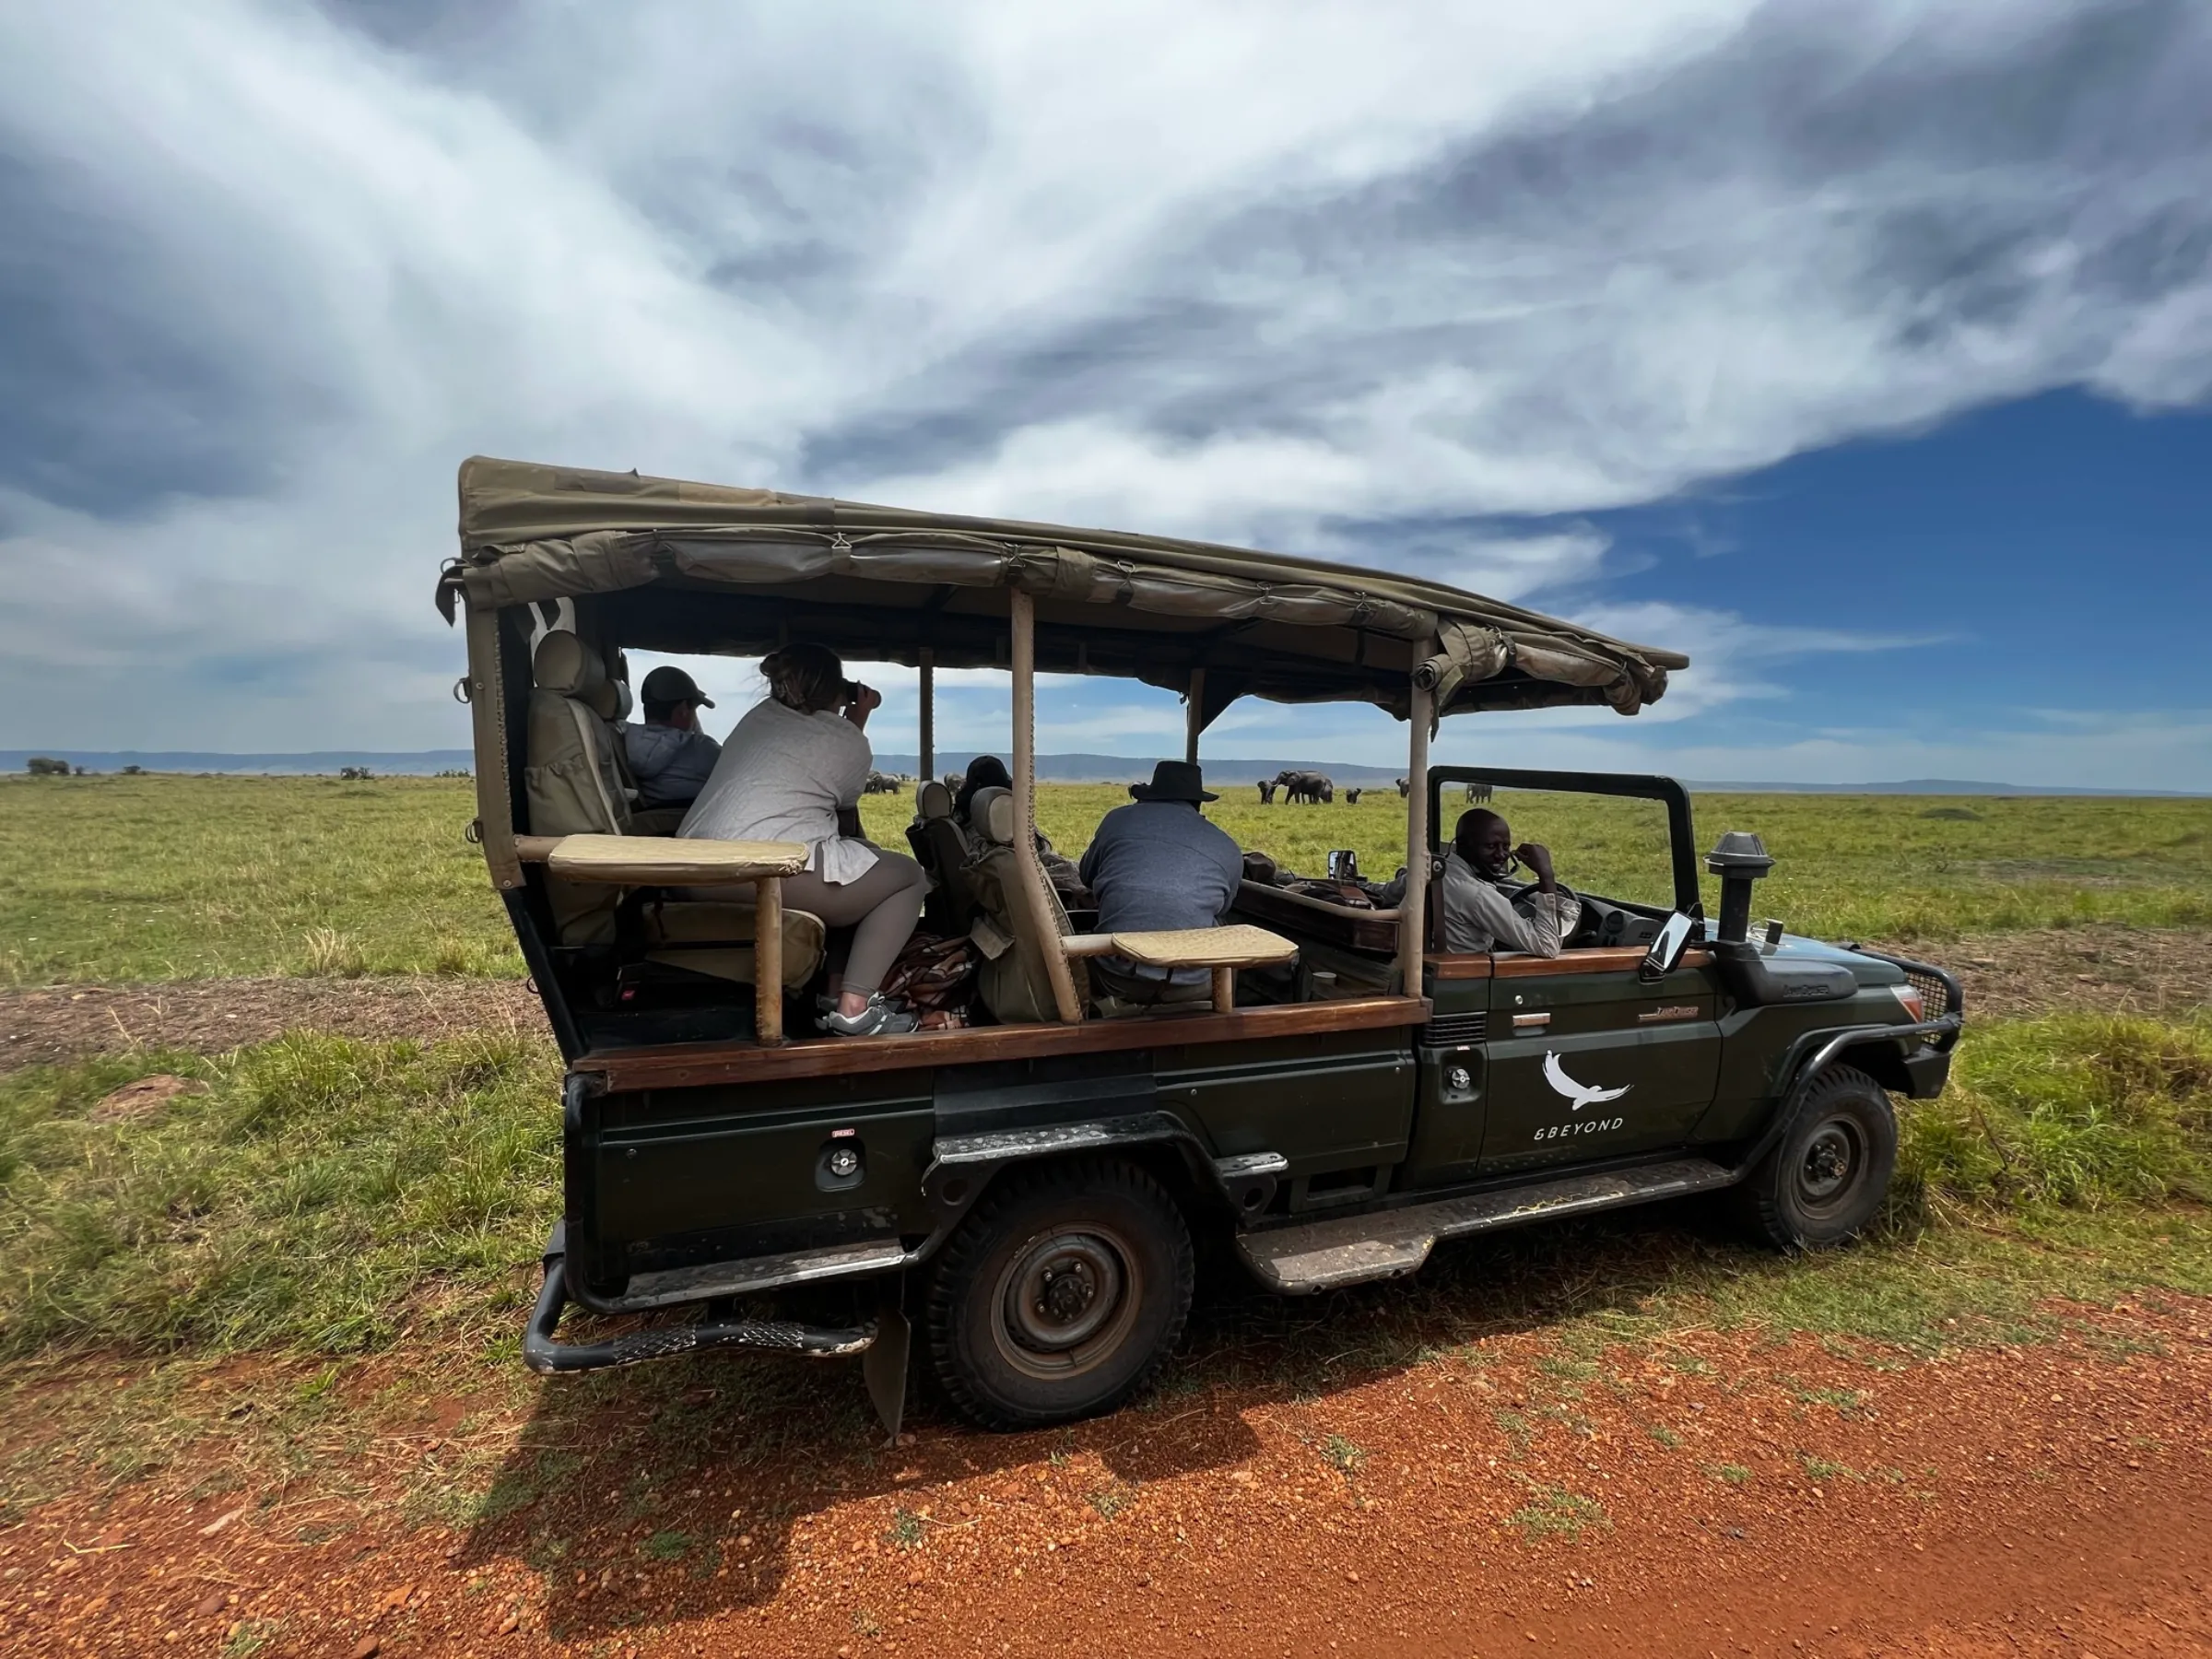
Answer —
877 1020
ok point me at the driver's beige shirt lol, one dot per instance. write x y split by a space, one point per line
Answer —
1478 917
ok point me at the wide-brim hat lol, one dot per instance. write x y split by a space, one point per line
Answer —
1173 780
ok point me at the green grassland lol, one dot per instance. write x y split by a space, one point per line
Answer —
117 878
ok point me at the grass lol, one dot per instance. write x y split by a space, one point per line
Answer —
117 878
2074 1109
180 878
1555 1513
322 1195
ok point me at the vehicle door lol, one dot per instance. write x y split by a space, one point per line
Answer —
1586 1059
1583 1058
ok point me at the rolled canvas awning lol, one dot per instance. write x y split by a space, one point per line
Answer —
881 581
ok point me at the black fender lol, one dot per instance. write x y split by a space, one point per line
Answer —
962 1165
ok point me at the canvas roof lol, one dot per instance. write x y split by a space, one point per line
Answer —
702 566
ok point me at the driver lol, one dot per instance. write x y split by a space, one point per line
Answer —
1478 916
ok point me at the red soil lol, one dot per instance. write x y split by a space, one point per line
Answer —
2039 1500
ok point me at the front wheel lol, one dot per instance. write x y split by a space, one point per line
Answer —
1060 1296
1828 1174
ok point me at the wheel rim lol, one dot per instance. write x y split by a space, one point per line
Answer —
1834 1159
1065 1300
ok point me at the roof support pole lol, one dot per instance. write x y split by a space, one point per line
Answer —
488 714
1022 613
1194 716
1413 913
768 960
928 744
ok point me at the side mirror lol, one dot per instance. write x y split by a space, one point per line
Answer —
1667 950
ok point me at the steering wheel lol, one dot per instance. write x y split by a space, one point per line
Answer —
1585 918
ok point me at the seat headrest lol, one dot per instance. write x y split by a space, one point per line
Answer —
933 800
566 665
992 812
610 700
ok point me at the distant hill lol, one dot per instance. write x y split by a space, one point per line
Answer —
1052 768
424 763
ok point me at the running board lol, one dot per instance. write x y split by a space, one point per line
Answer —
1348 1250
749 1276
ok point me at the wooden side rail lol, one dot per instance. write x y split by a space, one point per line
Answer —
1222 949
659 861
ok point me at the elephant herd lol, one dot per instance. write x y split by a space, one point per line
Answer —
1313 789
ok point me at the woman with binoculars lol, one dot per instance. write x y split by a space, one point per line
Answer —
788 767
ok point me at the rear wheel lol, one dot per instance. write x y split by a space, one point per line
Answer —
1060 1296
1828 1174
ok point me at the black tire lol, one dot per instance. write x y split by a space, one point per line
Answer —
1827 1176
1101 1259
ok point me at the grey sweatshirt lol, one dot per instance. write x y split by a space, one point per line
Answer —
671 766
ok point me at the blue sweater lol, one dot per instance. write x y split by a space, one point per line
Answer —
1157 866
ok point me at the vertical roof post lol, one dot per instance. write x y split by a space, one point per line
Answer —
1413 913
1022 613
487 716
1194 720
928 742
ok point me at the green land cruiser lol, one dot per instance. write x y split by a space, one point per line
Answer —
1026 1187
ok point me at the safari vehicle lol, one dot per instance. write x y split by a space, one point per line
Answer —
1027 1189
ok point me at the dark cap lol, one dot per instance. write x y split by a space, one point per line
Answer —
1173 780
666 685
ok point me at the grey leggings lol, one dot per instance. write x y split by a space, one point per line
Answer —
882 907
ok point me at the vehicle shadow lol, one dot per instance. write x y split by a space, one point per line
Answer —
667 1492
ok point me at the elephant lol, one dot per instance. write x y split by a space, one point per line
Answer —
1266 792
1405 788
883 783
1311 787
1351 797
1477 793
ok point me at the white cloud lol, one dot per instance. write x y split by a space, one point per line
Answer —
1224 271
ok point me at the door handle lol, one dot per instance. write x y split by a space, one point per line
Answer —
1523 1021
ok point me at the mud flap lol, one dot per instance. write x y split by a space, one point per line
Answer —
885 1363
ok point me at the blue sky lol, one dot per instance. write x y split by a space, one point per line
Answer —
1863 350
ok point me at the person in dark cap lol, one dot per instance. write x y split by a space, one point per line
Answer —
669 755
1157 866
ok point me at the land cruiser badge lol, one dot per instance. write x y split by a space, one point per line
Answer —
1582 1094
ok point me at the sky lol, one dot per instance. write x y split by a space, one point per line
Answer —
1863 350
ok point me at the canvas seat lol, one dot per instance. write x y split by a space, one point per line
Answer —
573 777
1014 927
944 849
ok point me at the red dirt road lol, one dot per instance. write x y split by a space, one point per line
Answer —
1709 1495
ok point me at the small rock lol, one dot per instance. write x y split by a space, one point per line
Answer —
1352 1577
509 1625
1243 1477
368 1647
210 1606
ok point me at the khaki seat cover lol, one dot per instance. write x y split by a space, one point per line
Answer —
571 777
1016 985
698 933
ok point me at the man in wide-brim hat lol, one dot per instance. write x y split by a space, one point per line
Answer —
1157 866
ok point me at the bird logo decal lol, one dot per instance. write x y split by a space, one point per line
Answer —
1582 1094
